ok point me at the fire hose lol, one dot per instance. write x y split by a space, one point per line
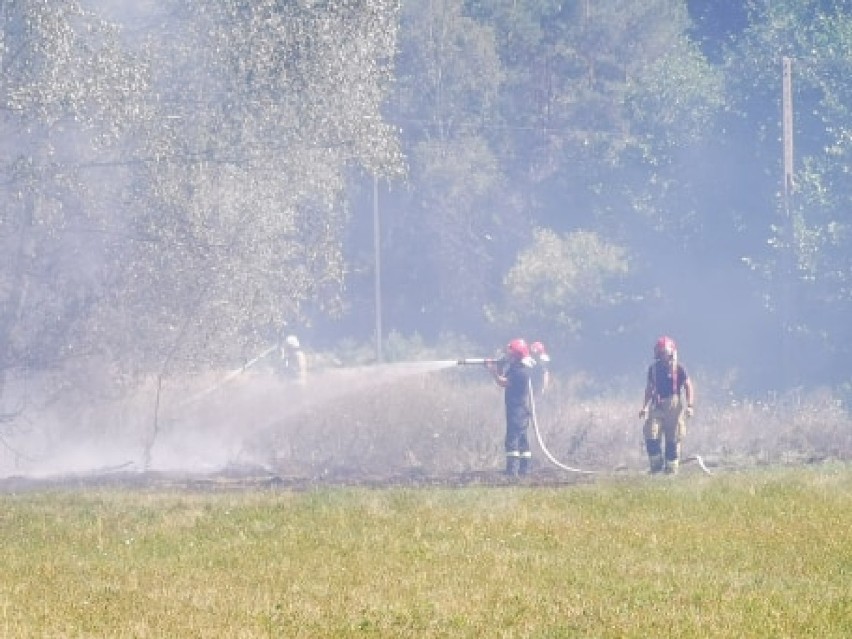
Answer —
700 460
547 453
686 460
227 378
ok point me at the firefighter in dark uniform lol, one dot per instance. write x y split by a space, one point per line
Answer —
666 388
515 378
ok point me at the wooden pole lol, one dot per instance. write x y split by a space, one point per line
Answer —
788 270
787 91
377 251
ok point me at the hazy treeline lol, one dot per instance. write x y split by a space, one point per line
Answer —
599 173
182 181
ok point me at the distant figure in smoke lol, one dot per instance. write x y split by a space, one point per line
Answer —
663 409
294 360
541 370
515 377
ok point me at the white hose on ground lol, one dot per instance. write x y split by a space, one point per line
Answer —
700 460
692 458
546 452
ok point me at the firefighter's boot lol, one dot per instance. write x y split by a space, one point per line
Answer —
526 463
672 457
656 464
512 463
655 455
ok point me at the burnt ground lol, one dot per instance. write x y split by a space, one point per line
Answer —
246 479
256 478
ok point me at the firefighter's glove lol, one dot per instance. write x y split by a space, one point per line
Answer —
689 411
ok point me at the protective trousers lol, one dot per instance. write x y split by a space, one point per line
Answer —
518 455
664 430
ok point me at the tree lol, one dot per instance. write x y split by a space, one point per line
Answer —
579 119
806 261
558 278
261 110
446 241
68 93
603 106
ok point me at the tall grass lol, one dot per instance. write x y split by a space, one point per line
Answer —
384 421
761 553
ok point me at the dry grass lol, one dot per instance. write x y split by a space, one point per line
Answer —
390 420
763 553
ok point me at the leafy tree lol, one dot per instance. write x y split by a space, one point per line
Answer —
443 242
581 75
556 279
806 261
602 103
261 110
68 93
578 120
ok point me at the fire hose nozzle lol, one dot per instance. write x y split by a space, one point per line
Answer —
475 361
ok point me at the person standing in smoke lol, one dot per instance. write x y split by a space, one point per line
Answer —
663 409
294 361
515 378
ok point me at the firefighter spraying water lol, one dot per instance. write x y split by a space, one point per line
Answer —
515 372
514 376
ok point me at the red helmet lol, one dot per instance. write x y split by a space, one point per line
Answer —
665 349
518 348
537 348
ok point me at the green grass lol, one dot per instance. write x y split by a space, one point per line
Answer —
764 553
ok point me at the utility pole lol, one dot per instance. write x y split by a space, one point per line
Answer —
788 271
787 91
377 283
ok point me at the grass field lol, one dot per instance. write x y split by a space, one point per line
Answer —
758 553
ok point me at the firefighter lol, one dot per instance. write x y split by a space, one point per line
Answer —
541 370
515 379
666 388
294 360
